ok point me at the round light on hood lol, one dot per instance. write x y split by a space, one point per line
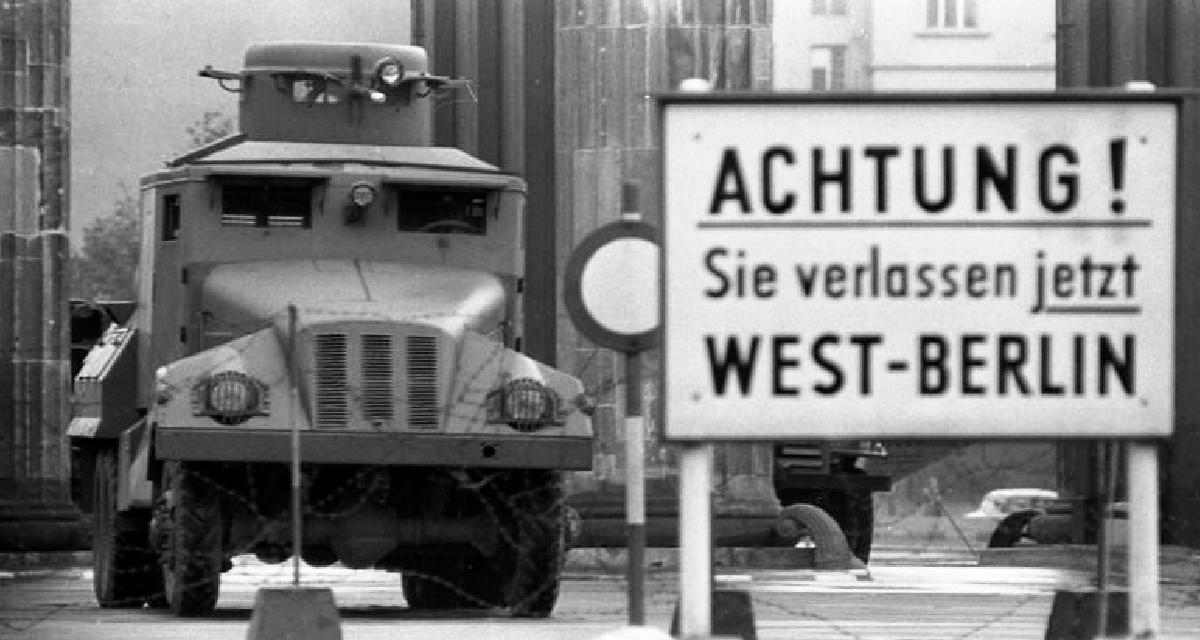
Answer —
231 397
524 404
389 71
362 194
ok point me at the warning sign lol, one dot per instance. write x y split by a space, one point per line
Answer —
920 267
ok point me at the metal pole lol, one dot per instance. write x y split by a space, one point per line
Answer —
695 513
695 540
1103 538
635 461
295 447
1143 540
635 487
1142 457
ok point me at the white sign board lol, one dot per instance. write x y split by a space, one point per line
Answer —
968 266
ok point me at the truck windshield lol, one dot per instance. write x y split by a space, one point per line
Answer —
266 202
444 210
313 91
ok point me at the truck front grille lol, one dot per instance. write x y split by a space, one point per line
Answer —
422 370
332 397
355 379
378 377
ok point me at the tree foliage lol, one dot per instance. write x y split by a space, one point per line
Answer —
105 266
212 126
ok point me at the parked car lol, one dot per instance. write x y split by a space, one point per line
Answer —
1001 503
1010 513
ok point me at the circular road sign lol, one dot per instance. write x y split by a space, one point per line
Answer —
611 286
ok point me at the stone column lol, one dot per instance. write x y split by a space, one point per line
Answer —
36 513
611 56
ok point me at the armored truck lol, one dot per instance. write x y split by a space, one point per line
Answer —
327 286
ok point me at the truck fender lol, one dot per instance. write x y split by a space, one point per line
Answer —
134 488
832 550
1012 529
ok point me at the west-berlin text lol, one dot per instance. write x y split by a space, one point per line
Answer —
970 364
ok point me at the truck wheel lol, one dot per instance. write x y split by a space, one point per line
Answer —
456 584
192 571
799 520
125 568
533 541
423 591
854 512
1011 529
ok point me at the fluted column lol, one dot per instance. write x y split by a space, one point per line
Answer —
36 513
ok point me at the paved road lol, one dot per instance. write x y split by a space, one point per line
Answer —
896 602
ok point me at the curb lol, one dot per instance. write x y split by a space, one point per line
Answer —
26 574
853 575
615 559
1176 564
57 564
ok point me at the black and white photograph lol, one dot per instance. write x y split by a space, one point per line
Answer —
600 319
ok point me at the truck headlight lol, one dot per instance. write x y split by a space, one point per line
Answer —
230 397
362 194
524 404
389 71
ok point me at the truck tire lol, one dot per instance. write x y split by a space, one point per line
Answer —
532 508
854 511
192 571
459 584
125 568
832 550
1012 529
423 591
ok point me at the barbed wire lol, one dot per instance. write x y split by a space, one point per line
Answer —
331 496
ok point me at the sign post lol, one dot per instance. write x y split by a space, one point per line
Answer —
924 266
1143 540
610 291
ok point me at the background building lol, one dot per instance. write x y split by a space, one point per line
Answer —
962 44
822 45
914 44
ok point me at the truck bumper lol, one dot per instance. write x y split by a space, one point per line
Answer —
457 450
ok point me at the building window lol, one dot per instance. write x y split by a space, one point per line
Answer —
829 7
952 14
828 66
